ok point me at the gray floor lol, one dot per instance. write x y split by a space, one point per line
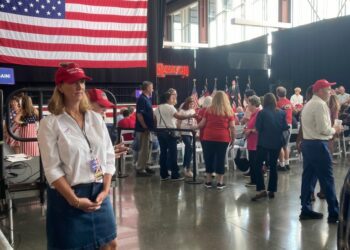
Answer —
165 216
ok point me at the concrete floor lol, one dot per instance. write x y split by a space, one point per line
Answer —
165 216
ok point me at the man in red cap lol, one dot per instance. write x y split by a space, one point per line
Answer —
317 160
100 103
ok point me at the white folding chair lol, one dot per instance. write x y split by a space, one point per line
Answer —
128 143
293 151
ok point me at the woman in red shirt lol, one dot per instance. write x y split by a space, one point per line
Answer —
218 124
252 136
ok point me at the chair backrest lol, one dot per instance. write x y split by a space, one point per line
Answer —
124 132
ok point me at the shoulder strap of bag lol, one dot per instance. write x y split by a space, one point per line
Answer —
161 118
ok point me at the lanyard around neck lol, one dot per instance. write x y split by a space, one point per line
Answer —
83 130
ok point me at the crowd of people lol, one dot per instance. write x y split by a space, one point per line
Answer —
79 158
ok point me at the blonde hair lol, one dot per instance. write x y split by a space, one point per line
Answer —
220 105
28 108
297 89
56 103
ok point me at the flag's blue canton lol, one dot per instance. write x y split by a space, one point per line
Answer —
35 8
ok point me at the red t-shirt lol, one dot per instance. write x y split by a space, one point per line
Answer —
217 127
127 123
252 139
286 105
132 117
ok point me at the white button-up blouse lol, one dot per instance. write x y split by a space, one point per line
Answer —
65 151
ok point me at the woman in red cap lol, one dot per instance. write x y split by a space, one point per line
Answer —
79 161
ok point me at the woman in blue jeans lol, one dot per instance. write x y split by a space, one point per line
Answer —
166 116
187 137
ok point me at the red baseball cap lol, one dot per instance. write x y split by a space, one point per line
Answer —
70 73
321 84
100 97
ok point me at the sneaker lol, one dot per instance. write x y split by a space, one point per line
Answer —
282 169
165 178
287 167
220 186
188 173
142 173
333 219
150 171
271 195
180 178
208 185
312 215
250 184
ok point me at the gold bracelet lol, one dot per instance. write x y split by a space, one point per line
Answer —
77 203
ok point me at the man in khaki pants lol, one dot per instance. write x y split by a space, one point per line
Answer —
144 123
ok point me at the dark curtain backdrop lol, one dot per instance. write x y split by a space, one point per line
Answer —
215 62
182 85
307 53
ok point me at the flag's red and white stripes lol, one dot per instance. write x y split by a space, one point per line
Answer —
94 33
29 131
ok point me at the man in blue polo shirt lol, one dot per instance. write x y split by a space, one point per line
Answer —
144 123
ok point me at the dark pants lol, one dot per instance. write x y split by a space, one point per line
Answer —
168 152
252 162
317 163
187 140
272 156
214 156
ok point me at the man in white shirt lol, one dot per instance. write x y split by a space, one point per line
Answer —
343 97
317 160
297 98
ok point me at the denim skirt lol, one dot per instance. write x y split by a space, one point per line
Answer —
70 228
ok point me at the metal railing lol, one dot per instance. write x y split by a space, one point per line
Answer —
194 180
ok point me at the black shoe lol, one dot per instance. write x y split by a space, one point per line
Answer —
271 195
142 173
287 167
321 195
220 186
165 178
208 185
333 219
150 171
282 169
260 195
312 215
180 178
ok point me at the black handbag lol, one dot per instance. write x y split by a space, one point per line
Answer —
241 162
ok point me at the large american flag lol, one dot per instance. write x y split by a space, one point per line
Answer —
92 33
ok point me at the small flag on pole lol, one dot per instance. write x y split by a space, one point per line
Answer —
215 88
194 95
